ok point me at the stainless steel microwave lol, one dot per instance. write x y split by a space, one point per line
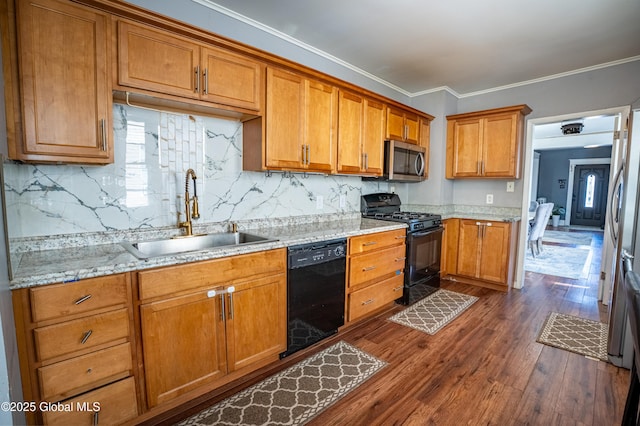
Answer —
403 162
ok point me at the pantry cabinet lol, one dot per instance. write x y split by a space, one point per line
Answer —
211 321
402 125
375 271
64 72
165 63
486 144
360 134
76 346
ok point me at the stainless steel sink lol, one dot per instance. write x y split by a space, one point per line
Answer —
168 246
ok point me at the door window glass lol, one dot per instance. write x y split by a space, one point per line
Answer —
588 198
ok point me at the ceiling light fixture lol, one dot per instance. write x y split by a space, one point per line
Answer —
571 128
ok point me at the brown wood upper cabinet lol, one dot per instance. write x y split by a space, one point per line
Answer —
165 63
65 83
360 134
298 132
486 144
402 125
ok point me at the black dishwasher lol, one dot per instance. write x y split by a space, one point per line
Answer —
315 292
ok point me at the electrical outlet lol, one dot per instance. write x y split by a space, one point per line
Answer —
343 201
319 202
489 198
511 186
392 189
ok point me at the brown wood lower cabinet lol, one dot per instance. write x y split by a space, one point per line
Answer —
480 252
76 347
375 276
225 325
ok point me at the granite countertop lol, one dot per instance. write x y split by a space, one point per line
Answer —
39 267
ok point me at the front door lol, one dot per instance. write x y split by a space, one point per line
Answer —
589 201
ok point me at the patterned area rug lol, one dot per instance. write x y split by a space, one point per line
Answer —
435 311
576 238
568 262
297 394
582 336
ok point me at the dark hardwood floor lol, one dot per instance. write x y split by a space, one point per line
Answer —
484 368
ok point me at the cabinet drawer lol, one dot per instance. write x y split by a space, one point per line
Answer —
369 299
365 243
210 273
58 300
59 378
376 264
84 333
110 405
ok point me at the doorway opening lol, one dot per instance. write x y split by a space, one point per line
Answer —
544 181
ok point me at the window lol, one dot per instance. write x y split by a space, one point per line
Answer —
588 197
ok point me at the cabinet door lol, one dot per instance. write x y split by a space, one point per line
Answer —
467 148
350 133
66 92
230 79
321 111
469 240
499 151
157 61
495 252
412 125
395 124
256 322
183 345
373 136
449 256
425 142
285 103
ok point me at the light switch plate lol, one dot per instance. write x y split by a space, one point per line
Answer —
489 198
510 186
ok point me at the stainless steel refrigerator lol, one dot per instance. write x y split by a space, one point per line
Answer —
623 212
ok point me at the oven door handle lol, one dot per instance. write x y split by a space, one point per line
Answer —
424 233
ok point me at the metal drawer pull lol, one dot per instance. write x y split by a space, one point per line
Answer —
86 337
370 243
196 89
398 288
95 418
401 237
367 302
223 307
103 133
368 268
398 259
83 299
206 81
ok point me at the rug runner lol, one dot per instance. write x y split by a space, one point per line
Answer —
297 394
578 335
435 311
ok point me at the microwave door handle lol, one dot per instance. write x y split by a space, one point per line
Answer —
420 169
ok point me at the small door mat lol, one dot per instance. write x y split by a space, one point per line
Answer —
578 335
434 312
295 395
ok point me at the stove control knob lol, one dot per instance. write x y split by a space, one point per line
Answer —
339 251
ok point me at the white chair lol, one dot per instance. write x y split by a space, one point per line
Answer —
537 227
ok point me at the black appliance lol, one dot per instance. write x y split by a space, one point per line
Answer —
315 292
424 243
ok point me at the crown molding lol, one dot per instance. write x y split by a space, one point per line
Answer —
258 25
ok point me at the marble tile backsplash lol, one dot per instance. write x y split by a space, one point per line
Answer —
144 188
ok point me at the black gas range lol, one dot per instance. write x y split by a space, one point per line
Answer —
424 243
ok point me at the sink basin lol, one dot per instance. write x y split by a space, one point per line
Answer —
168 246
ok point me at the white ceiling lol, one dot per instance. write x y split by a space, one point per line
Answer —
597 132
464 46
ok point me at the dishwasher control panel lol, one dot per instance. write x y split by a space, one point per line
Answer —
316 253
